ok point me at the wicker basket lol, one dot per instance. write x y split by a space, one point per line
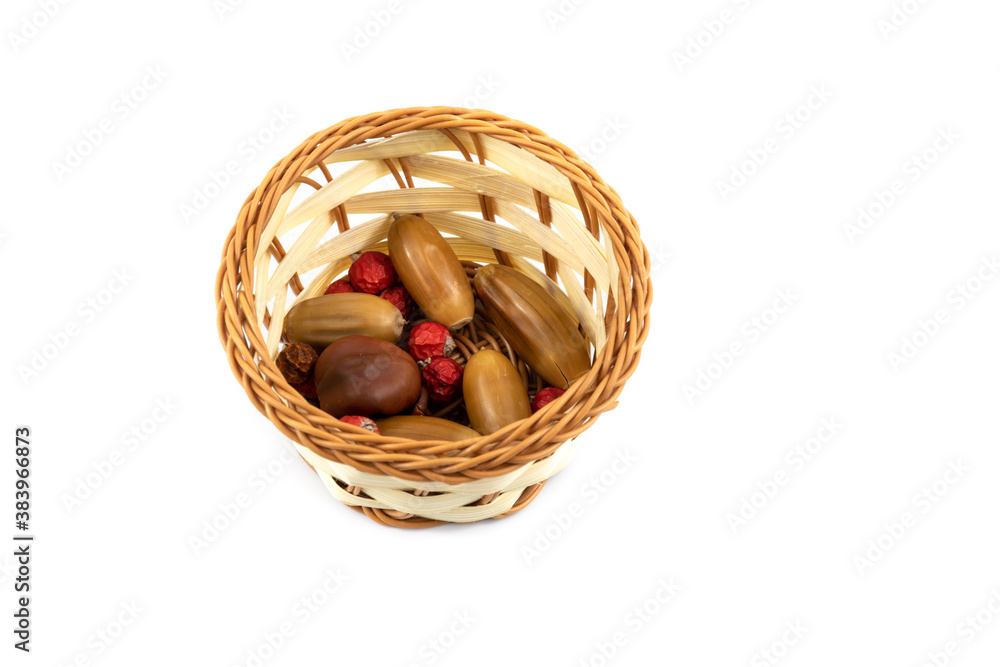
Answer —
501 191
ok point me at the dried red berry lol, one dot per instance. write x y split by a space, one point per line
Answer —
544 397
442 377
308 390
339 286
362 422
430 340
372 272
399 297
296 362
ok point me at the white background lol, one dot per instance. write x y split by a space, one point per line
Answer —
603 77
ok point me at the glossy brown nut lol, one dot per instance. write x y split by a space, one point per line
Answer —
431 272
425 428
494 393
361 375
323 319
537 326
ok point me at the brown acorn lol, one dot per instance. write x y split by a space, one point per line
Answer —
361 375
323 319
494 393
431 272
537 326
425 428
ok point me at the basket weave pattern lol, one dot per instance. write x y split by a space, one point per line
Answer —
500 191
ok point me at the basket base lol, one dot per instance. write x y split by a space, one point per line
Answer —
401 503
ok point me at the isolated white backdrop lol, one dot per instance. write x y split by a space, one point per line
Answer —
245 86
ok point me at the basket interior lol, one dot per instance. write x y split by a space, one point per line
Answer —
490 199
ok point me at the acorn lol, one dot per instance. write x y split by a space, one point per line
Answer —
537 326
424 428
361 375
494 393
323 319
431 271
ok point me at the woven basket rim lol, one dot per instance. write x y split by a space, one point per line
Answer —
300 421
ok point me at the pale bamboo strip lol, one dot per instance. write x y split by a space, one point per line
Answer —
456 514
263 260
417 142
528 169
271 228
489 234
524 476
613 270
599 309
470 176
593 326
277 320
470 251
426 506
362 237
413 200
334 193
551 242
484 180
500 505
566 221
518 162
355 239
287 267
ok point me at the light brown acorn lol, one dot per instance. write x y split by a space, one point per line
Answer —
323 319
494 393
431 272
537 326
424 428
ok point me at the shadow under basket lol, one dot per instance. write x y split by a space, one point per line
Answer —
500 191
